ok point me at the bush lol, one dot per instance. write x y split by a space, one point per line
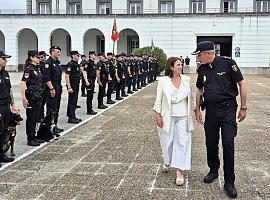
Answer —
157 52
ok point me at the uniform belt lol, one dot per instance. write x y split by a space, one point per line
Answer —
225 103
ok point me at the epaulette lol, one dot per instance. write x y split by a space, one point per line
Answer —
226 57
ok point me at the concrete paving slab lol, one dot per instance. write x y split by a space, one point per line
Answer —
117 156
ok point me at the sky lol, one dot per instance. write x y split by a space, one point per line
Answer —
13 4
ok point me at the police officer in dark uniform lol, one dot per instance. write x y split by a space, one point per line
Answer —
119 73
130 71
83 86
217 82
52 77
140 66
72 76
102 79
111 77
43 57
145 69
32 91
89 75
156 68
6 99
135 70
125 74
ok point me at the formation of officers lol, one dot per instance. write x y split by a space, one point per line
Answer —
41 83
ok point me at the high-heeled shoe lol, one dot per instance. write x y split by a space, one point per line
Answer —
179 181
165 168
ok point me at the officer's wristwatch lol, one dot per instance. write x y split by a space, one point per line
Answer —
51 89
243 108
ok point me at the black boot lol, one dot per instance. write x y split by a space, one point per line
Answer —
119 98
230 190
102 106
210 177
91 112
110 101
5 159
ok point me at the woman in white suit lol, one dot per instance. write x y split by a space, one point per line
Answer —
173 107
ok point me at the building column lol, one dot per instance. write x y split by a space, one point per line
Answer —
77 41
11 48
44 41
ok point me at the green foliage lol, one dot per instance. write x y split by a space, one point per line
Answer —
157 52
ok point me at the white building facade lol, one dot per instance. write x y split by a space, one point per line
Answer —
239 28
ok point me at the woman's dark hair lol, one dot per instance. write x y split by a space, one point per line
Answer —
169 64
27 62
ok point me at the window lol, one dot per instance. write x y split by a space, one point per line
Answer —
104 8
135 8
262 6
166 7
197 7
74 8
44 8
229 7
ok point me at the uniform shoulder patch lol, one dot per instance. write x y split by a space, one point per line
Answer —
234 68
47 66
69 69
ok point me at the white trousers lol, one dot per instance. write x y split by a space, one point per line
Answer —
176 145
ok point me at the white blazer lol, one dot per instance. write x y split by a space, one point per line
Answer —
163 101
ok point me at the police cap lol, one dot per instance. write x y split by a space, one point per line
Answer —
42 53
101 54
55 47
3 55
204 46
32 53
92 52
74 53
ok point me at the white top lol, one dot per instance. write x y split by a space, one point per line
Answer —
179 100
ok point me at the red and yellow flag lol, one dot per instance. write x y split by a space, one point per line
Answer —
115 34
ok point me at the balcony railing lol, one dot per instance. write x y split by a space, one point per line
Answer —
125 11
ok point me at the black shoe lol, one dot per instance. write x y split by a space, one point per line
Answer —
84 95
110 102
78 106
56 134
0 165
134 90
129 92
139 88
57 130
91 112
230 190
73 121
33 143
80 120
210 177
102 107
124 95
119 98
5 159
39 140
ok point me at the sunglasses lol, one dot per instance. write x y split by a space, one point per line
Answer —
4 58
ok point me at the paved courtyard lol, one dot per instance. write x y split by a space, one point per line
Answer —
117 155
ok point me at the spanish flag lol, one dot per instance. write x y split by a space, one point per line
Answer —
115 34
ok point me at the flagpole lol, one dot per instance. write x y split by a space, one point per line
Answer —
113 47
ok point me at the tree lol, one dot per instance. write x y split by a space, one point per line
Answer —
157 52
